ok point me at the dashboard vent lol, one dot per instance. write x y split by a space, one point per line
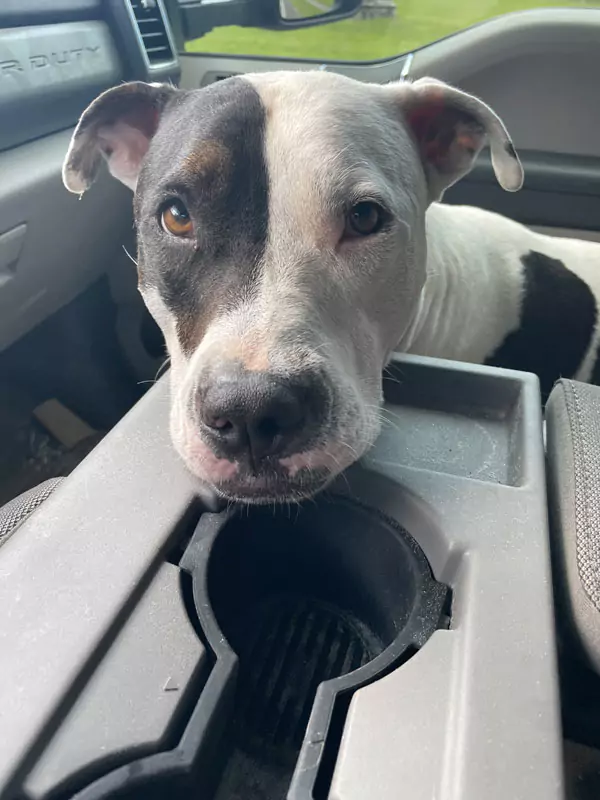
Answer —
153 32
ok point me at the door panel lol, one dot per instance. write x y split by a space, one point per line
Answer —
200 70
559 191
537 69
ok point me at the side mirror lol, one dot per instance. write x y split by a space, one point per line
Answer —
197 17
292 14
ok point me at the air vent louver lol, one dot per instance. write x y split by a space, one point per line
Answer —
153 32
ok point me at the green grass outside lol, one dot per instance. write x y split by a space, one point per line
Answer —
305 8
416 23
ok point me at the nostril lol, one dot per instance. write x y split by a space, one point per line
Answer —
216 423
268 428
221 424
269 431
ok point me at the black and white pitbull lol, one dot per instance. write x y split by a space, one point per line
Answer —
290 241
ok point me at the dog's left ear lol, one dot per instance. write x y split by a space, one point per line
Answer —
451 127
118 126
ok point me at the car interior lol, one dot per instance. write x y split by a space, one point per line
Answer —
427 628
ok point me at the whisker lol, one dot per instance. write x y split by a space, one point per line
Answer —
352 450
159 373
163 367
341 473
387 376
128 254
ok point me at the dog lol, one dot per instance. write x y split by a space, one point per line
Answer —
291 238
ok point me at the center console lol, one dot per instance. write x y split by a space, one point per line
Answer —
394 637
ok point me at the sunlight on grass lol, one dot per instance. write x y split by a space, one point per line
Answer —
416 23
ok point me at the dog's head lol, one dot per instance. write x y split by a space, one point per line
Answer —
281 230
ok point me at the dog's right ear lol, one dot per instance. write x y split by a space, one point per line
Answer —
118 126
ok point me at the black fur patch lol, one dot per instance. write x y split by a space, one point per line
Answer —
208 151
557 323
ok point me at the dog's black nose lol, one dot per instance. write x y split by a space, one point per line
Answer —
256 415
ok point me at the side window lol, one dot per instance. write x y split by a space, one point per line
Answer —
381 29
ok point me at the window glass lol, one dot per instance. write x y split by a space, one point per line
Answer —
383 28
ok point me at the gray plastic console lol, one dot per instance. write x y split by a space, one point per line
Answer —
49 73
113 660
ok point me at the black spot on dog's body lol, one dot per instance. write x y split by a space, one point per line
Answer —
558 318
208 151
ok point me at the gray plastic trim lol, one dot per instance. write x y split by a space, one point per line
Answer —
127 35
16 12
548 31
72 570
475 714
560 191
196 68
135 695
58 243
49 73
560 173
169 63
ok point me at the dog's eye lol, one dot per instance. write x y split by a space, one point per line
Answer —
363 219
175 219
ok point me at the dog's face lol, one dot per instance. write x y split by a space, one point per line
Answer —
281 236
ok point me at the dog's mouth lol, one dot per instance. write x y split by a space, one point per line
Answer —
274 487
273 479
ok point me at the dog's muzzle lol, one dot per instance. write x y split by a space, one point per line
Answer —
258 419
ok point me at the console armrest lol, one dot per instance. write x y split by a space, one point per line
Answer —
573 452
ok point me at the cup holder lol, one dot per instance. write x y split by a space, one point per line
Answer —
300 607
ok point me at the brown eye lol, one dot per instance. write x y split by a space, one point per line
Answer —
175 219
363 219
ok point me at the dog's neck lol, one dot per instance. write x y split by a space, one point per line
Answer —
471 296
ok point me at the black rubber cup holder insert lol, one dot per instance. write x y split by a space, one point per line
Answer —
300 607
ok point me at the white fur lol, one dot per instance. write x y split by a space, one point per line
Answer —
472 296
